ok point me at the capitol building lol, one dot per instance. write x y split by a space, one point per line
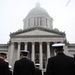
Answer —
37 36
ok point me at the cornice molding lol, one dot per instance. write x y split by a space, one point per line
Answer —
37 28
37 36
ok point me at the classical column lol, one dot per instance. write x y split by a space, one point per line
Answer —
54 50
36 21
18 53
41 60
33 52
48 50
25 45
11 52
65 50
39 21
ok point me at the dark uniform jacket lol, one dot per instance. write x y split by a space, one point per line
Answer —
38 71
24 67
4 68
61 65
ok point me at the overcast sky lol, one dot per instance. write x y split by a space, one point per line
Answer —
12 13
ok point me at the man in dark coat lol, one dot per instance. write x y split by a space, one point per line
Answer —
60 64
37 70
4 68
4 55
24 66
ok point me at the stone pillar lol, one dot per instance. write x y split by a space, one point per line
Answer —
41 60
53 48
39 21
36 21
65 50
48 50
18 53
33 52
25 45
11 53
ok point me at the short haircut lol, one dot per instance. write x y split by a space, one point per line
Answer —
24 53
59 48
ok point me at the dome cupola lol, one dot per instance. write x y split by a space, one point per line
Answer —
38 17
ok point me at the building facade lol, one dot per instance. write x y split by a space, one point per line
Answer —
37 37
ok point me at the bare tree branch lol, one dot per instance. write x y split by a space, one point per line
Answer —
68 2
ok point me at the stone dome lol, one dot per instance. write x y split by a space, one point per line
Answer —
38 17
38 11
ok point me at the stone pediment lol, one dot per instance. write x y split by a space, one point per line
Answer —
37 32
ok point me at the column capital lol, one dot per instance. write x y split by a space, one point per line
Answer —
40 42
33 42
48 42
19 42
12 43
25 42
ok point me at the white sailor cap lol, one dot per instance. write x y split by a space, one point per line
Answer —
58 45
24 51
3 53
37 64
